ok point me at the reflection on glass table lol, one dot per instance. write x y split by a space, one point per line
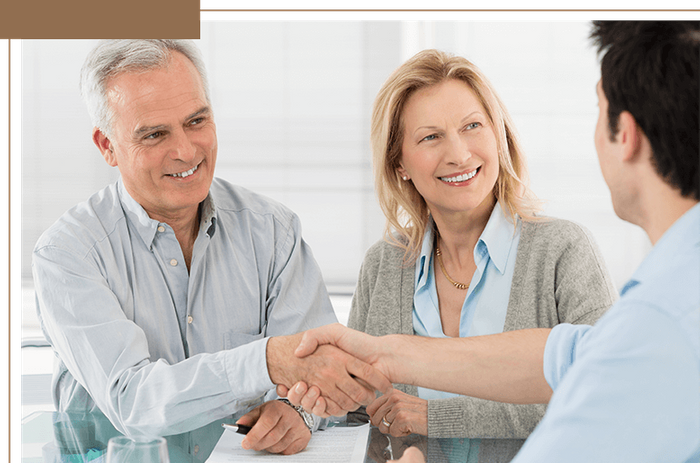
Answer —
54 437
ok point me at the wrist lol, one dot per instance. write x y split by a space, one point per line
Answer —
306 417
279 354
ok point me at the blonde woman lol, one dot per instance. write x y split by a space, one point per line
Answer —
465 252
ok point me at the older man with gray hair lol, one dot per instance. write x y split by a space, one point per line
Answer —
161 292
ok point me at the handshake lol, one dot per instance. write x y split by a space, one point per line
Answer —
330 370
333 369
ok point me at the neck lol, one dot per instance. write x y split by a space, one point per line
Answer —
662 210
460 231
185 224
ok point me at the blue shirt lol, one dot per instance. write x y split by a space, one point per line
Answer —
628 389
486 301
160 350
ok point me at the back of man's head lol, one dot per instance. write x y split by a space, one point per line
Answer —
650 69
111 58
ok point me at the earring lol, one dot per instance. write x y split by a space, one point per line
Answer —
405 177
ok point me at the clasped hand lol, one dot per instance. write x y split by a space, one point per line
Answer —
341 380
394 413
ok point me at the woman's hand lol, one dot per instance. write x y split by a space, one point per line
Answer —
405 414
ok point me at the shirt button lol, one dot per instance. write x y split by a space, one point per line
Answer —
161 228
189 319
173 262
196 449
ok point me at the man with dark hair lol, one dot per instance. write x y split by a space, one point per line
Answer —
628 388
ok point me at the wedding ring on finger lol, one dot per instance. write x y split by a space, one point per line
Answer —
386 423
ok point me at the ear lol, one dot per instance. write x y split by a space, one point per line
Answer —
402 172
629 135
105 146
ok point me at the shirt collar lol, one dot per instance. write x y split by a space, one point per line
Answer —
497 238
495 242
146 227
683 234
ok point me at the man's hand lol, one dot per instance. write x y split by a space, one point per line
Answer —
344 381
358 344
276 427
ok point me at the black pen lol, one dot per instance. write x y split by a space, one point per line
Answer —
239 428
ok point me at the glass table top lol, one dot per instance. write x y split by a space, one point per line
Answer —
54 437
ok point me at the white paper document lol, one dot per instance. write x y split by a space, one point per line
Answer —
337 444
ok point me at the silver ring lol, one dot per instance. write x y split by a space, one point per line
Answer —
385 422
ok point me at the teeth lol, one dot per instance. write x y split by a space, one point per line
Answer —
459 178
186 173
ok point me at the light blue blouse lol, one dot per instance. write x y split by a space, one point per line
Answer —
486 301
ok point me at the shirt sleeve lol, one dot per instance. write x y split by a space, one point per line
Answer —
108 355
631 396
297 297
560 351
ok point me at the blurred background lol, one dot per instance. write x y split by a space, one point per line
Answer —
292 103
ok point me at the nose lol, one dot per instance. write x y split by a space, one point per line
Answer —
182 147
457 150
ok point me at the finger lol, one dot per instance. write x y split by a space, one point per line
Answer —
296 446
282 443
320 408
258 435
369 375
309 399
250 418
282 390
296 393
332 408
378 402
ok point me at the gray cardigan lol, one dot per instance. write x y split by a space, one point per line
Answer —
559 277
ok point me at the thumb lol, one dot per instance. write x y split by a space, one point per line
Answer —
250 418
327 334
307 346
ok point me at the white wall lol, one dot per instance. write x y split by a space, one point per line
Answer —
292 104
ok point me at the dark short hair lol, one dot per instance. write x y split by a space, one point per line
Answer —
650 69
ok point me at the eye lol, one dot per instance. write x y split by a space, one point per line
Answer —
153 136
429 137
473 125
196 121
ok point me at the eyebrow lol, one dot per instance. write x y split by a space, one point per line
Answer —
464 119
205 110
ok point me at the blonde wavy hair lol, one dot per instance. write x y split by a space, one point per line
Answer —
405 209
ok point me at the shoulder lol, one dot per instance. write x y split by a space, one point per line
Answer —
384 253
85 224
235 200
556 235
551 228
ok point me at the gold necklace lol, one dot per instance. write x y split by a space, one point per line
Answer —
456 284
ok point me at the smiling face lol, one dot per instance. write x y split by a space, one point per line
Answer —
449 149
164 137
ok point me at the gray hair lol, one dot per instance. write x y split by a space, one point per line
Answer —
111 58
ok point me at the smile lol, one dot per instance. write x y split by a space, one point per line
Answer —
460 178
187 173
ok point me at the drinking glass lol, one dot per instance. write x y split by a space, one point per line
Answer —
137 450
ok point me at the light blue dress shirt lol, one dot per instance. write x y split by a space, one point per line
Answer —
628 388
162 350
486 301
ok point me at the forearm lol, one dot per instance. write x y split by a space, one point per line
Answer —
506 367
469 417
